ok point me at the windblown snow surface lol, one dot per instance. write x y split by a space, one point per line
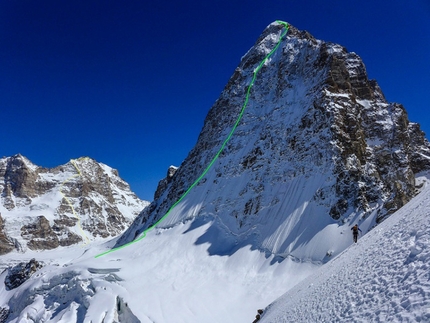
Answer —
170 277
385 277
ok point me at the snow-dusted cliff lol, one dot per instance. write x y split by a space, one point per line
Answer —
318 148
74 203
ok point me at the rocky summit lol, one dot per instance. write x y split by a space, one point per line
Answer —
77 202
317 149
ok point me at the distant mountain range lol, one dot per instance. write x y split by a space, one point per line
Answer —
318 148
78 202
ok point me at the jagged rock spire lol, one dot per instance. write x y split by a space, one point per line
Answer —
79 201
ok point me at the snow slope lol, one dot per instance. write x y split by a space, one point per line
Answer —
384 278
83 200
170 277
167 277
317 149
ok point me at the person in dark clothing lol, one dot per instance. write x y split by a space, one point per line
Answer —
355 230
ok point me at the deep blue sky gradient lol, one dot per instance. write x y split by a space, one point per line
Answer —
129 83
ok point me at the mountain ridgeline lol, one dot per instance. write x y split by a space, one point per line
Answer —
74 203
317 149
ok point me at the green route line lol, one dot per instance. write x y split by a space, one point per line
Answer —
219 151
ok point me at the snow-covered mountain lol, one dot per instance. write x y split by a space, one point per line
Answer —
170 278
317 149
384 278
73 203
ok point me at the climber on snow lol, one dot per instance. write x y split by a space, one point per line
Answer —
355 230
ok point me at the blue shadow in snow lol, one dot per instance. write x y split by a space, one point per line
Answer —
221 242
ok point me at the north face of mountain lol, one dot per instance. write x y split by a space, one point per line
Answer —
317 149
77 202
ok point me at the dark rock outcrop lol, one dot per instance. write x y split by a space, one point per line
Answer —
40 235
162 184
6 245
20 273
4 314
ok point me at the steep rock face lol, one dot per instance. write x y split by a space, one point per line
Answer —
40 235
318 148
76 202
164 183
6 245
375 142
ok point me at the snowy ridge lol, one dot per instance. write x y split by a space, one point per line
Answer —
384 278
171 271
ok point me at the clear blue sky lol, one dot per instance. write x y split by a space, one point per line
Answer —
129 83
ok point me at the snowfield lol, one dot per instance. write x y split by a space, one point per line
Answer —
52 193
170 277
167 277
385 277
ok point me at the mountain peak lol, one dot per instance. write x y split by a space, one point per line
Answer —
79 201
317 148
